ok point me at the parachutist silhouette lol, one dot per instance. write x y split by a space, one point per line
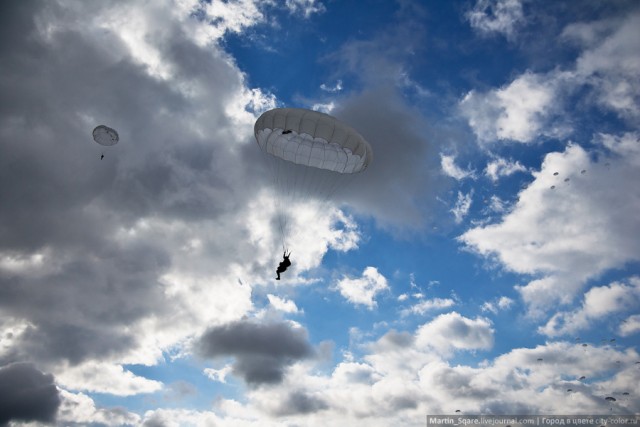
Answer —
102 157
284 264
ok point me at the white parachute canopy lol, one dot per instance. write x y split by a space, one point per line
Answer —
105 135
310 156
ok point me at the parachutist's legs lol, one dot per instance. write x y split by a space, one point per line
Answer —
278 278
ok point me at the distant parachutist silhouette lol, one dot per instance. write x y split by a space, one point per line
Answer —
102 157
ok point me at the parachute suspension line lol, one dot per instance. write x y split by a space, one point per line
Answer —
279 186
281 195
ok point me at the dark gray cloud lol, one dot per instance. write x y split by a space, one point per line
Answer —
78 311
398 403
262 351
460 384
300 402
26 394
60 77
400 185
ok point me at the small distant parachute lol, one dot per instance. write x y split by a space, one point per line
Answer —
553 187
582 378
569 390
457 410
610 399
555 174
626 393
567 179
583 171
612 340
540 359
105 135
584 345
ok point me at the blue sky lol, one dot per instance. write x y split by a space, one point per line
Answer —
485 261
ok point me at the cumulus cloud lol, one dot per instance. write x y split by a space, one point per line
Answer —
26 394
262 351
532 105
364 289
561 229
219 374
609 63
404 374
106 378
630 325
502 303
79 408
519 111
452 331
599 302
111 262
281 304
300 402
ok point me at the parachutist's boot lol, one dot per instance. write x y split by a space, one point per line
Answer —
278 278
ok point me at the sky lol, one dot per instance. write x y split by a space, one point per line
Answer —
487 261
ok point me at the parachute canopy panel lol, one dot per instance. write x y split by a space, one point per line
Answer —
105 135
314 139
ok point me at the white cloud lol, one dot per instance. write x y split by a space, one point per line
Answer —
496 204
80 408
449 167
105 378
611 65
499 167
425 306
462 206
231 16
324 108
452 331
305 7
496 16
502 303
566 235
219 374
335 88
599 302
531 105
519 111
284 305
630 326
403 375
364 289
